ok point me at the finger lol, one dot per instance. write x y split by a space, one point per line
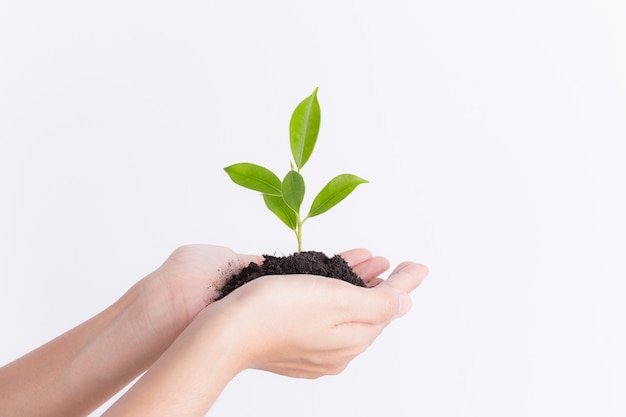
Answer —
370 306
407 276
371 268
356 256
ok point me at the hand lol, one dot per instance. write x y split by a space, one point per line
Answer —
308 326
190 279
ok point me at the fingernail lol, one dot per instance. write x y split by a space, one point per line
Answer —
404 304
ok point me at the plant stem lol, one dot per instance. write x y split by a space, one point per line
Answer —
299 234
300 223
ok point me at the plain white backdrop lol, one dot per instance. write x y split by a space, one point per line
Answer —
492 134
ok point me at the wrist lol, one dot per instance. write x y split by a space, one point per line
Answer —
188 377
229 329
154 311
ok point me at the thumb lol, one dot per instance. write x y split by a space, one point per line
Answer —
406 277
378 305
388 300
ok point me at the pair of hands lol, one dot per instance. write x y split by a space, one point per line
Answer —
294 325
189 347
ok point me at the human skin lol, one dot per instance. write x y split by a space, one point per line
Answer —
166 315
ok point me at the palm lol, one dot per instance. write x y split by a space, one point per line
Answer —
193 275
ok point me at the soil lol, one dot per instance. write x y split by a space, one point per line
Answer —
309 262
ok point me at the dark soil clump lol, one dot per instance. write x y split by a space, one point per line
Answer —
311 262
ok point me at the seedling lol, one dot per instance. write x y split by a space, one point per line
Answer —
284 198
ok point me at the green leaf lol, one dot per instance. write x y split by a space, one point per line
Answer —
336 190
255 177
293 190
303 129
278 206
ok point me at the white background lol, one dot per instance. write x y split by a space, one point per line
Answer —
492 134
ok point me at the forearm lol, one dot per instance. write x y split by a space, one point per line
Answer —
76 372
190 375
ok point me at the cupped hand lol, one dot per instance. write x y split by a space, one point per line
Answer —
308 326
190 278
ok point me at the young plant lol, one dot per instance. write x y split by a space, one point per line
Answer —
284 198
